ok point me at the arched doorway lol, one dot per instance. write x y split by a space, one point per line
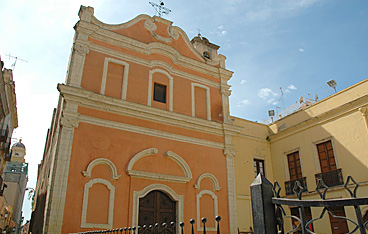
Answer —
156 207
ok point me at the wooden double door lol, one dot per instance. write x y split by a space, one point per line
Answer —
157 207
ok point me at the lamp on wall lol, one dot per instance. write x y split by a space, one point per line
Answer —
271 113
332 84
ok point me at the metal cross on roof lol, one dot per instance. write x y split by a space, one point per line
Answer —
160 9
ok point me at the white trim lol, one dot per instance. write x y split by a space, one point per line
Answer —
315 152
170 192
125 76
208 100
171 85
216 185
215 207
104 161
150 132
181 162
142 154
87 186
157 176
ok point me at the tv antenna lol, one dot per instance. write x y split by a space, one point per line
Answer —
282 98
160 9
16 59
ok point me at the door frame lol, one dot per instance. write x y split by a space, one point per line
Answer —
179 199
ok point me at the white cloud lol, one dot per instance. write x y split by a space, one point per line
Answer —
223 33
220 27
301 50
243 82
243 102
265 93
292 87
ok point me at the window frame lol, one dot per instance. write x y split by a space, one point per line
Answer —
157 97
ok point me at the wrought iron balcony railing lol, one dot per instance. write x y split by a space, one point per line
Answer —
331 178
289 185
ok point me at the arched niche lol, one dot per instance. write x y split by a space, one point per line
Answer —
104 161
111 189
157 176
216 185
215 208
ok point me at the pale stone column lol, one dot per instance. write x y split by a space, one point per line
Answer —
225 103
230 170
80 47
59 172
364 111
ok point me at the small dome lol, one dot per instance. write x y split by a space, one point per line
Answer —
19 144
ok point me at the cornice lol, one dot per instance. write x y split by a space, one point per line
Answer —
118 106
328 116
116 39
173 31
149 132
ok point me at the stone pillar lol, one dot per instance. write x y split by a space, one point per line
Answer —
230 170
225 103
263 210
363 110
80 46
56 194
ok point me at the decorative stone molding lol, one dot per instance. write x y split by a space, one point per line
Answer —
81 49
171 87
69 122
226 91
150 25
85 13
230 152
208 99
95 101
181 162
125 76
364 111
144 153
173 31
104 161
157 176
87 186
179 199
216 185
215 207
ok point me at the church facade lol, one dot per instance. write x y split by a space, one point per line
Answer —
141 134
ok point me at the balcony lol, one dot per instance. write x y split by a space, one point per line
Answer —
331 178
289 185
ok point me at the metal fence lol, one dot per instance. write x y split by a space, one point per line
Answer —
269 213
157 228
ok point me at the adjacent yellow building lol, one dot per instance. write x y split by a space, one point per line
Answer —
326 140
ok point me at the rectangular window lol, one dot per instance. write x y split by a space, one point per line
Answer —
295 168
326 156
259 167
159 93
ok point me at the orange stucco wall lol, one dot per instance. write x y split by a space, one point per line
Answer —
91 142
137 88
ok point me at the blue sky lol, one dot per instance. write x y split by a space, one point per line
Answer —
297 45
